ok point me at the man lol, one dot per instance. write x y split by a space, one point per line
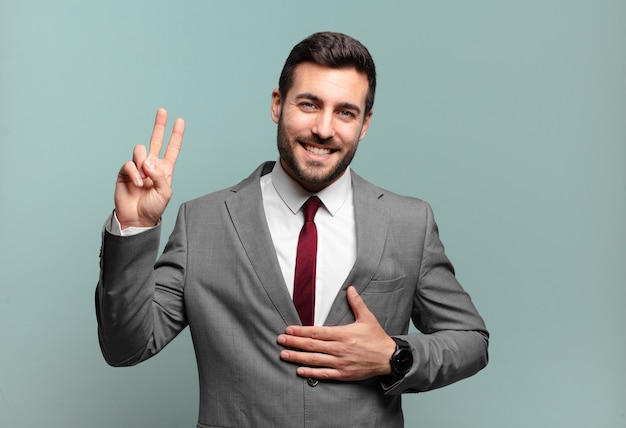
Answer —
272 348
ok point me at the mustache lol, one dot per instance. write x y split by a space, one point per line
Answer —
314 139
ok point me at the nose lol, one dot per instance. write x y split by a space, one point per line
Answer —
324 126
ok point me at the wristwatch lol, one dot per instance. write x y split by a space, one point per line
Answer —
402 359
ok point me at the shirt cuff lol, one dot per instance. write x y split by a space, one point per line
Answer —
113 226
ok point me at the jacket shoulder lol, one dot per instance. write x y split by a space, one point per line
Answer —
391 200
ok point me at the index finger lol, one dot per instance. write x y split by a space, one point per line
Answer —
176 141
156 139
315 332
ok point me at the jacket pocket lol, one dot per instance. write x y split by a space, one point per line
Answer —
390 301
385 285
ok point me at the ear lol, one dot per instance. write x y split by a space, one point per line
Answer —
276 105
366 124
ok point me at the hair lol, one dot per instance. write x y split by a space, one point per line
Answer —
333 50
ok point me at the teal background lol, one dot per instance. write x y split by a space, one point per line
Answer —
509 117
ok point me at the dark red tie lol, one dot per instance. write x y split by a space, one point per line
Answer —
304 280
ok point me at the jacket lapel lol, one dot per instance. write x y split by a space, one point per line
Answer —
245 206
372 222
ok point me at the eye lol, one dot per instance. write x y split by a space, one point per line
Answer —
307 105
347 114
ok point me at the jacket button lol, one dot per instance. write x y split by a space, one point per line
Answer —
312 382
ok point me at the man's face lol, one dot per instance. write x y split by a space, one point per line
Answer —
320 123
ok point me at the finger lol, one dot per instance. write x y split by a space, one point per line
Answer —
129 172
304 343
158 131
315 332
176 141
309 359
139 157
360 309
302 331
320 373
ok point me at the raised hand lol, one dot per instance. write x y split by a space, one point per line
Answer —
144 185
355 351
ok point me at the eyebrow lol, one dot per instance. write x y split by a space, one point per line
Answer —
344 105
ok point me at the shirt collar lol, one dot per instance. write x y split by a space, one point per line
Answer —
294 196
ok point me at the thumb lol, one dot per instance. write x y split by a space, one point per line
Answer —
155 174
360 309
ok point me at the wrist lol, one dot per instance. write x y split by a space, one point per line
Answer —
139 224
401 360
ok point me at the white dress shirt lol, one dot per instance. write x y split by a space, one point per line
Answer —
336 232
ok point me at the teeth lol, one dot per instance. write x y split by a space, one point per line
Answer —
318 151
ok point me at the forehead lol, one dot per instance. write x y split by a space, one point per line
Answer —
330 84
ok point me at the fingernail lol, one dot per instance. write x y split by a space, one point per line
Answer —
148 164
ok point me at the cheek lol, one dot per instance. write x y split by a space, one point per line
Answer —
297 125
350 135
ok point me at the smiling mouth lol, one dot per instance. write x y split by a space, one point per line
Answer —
317 150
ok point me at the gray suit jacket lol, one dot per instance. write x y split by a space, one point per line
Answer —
219 274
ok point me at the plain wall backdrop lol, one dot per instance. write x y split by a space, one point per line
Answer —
509 117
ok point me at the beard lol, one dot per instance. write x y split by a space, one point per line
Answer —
311 172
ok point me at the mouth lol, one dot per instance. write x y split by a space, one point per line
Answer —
319 151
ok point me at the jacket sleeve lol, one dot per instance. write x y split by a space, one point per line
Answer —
139 304
452 341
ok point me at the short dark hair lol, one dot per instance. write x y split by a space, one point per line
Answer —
333 50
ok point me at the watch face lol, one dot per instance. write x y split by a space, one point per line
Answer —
403 360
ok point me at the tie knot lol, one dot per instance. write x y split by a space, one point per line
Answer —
310 208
